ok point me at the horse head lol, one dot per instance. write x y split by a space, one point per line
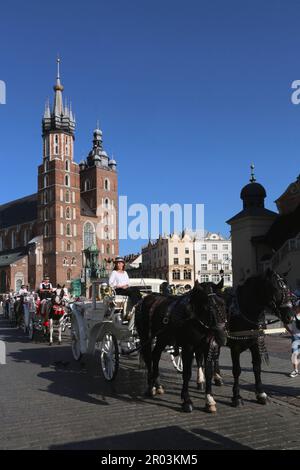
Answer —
279 296
210 309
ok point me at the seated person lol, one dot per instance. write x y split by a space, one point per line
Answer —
45 292
119 280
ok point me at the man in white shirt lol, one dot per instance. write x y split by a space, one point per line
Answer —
23 290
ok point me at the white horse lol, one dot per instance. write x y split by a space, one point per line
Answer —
57 313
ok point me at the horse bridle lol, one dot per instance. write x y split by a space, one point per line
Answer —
286 300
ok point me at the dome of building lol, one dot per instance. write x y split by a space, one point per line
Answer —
253 194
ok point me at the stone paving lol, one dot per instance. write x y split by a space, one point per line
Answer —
49 401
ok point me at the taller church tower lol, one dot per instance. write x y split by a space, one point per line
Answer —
59 192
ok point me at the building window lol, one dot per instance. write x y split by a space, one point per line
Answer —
215 278
73 262
106 203
68 230
67 180
46 165
187 261
46 230
88 235
107 184
87 185
46 181
176 261
46 197
187 274
13 240
214 247
69 275
187 251
176 275
203 267
68 213
65 261
203 247
1 243
56 144
226 267
203 257
69 246
107 249
225 247
175 250
46 214
67 195
204 278
215 256
26 237
226 257
67 164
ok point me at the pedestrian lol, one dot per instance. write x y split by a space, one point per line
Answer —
294 329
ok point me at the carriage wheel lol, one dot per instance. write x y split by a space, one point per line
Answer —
75 341
177 362
109 356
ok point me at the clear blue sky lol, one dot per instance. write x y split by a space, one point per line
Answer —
188 94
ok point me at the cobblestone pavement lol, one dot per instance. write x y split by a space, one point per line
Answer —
48 401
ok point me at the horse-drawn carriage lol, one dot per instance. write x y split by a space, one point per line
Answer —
105 327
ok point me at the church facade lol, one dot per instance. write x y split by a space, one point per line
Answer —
75 208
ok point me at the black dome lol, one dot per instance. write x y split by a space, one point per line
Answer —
253 195
253 189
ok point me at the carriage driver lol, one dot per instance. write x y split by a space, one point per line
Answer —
45 291
119 280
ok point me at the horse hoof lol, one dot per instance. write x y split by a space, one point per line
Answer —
50 344
219 382
210 408
160 390
200 386
187 407
150 392
262 400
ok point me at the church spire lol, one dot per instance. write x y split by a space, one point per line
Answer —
61 117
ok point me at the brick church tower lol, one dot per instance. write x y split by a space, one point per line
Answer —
77 204
59 192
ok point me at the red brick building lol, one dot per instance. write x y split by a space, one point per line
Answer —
75 207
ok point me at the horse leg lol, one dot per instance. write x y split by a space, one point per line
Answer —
236 371
210 404
200 369
261 396
59 331
146 355
156 355
187 361
217 373
51 331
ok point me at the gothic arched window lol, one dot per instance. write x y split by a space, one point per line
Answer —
46 230
67 180
87 185
67 165
67 195
88 235
69 275
106 184
68 230
69 246
68 213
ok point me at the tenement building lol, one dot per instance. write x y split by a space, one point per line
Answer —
75 208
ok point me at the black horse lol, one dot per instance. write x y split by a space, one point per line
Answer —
194 321
249 303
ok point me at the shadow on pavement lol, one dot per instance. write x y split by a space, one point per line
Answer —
167 438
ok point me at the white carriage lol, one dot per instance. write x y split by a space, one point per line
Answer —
106 327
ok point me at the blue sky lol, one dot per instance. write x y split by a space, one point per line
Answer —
188 94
